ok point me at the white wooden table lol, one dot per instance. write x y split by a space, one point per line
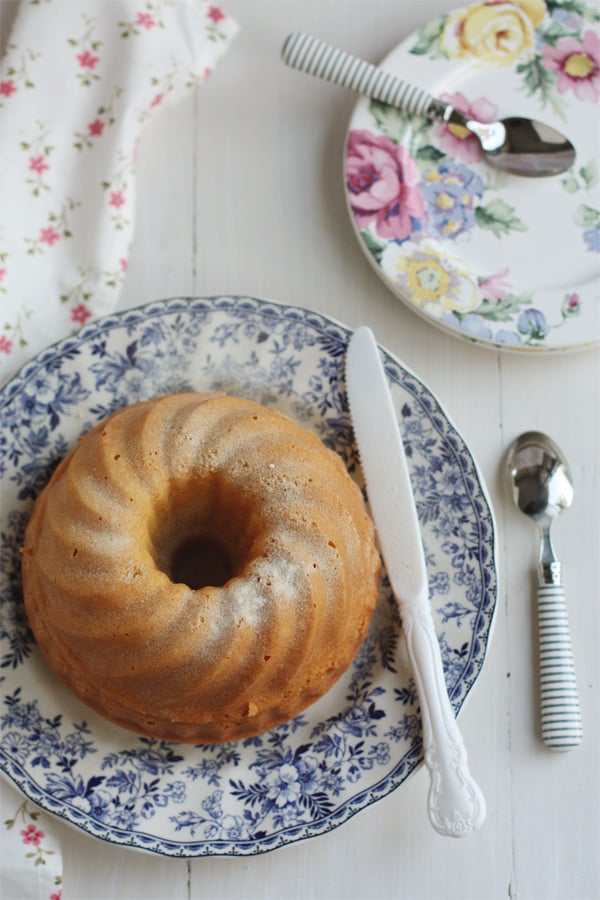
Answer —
240 191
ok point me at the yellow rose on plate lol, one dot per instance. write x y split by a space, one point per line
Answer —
494 32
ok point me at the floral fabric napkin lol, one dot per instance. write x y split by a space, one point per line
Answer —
77 83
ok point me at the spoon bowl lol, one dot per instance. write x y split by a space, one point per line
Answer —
540 478
542 488
517 145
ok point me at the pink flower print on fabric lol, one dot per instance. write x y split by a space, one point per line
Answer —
577 64
495 287
215 14
32 835
7 88
38 164
87 60
381 178
49 236
455 140
80 314
86 135
116 200
145 20
56 896
96 128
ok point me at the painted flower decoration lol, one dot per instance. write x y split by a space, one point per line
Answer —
285 786
499 33
434 281
480 328
457 141
381 178
495 287
451 193
571 305
591 237
577 64
532 324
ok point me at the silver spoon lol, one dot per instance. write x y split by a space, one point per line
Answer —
517 145
542 488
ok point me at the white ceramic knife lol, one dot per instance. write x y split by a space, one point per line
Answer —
456 805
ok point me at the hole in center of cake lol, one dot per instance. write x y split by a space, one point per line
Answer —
200 562
203 530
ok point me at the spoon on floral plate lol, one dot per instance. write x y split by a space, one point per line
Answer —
518 145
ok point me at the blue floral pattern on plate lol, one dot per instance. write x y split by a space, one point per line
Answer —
355 745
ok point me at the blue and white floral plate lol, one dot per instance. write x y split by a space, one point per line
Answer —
510 262
359 742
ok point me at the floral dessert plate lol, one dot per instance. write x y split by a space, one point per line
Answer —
360 741
510 262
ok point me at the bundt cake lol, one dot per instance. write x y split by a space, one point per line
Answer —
200 568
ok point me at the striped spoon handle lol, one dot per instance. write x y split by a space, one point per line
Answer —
561 716
315 57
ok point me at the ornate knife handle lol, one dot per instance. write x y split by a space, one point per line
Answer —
315 57
456 805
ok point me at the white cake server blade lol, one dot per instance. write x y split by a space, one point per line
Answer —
456 805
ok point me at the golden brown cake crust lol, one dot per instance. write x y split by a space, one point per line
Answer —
111 540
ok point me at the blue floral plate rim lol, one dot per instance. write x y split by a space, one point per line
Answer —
358 743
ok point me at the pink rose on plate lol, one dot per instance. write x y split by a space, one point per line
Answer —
455 140
381 178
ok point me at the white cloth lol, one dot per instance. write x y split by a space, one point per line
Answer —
30 854
78 81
